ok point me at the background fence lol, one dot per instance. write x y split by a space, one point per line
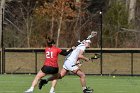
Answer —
114 61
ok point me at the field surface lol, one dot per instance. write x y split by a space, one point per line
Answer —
71 84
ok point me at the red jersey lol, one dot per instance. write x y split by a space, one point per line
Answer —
52 56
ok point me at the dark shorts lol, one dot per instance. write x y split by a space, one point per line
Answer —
49 70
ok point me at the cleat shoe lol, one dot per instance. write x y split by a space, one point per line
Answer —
29 91
87 90
42 83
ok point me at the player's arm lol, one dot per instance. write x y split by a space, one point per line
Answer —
65 52
81 56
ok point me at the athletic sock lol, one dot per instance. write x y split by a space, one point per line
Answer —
84 88
52 89
31 88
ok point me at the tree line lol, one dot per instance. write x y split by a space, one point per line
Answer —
27 23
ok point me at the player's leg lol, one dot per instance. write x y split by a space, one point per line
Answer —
63 72
57 76
49 70
45 81
39 75
54 82
83 81
75 69
82 77
52 90
53 77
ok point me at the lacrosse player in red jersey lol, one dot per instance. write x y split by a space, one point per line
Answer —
69 65
50 65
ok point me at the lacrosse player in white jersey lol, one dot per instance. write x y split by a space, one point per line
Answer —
69 65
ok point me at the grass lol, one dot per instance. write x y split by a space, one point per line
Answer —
71 84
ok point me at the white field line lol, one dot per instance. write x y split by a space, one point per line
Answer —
120 91
67 92
109 79
78 91
8 92
14 81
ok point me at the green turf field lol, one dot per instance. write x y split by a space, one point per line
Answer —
71 84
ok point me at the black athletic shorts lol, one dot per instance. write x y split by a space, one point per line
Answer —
49 70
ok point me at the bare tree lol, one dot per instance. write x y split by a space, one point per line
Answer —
60 24
132 7
52 26
19 20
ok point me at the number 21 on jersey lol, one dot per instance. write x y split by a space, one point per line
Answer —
49 54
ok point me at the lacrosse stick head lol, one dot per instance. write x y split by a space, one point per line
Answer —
96 56
93 33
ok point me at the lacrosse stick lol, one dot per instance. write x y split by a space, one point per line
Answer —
96 56
93 34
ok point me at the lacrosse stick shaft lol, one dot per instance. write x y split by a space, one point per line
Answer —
76 64
79 63
96 56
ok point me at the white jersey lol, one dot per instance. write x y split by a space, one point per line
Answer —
73 57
